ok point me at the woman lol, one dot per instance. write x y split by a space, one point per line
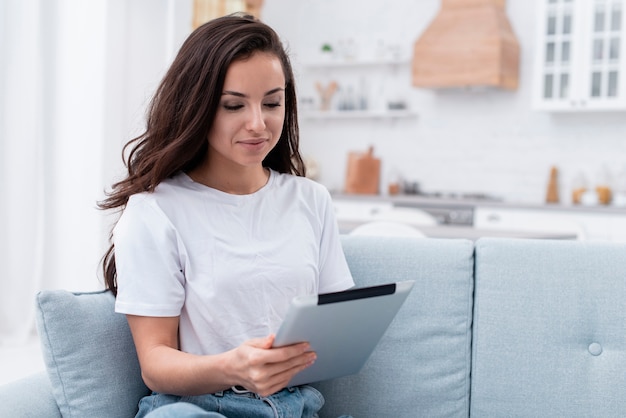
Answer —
220 230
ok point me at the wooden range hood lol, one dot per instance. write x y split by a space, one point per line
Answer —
469 43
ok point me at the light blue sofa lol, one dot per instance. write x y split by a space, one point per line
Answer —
496 328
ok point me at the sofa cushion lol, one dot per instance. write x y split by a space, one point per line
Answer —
29 397
421 367
89 355
549 335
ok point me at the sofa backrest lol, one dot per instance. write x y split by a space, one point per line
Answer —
421 367
549 329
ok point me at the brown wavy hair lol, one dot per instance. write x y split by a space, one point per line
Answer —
183 109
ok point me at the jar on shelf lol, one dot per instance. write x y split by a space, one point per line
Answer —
603 186
619 195
579 188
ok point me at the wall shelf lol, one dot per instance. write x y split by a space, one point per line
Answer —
358 114
355 90
326 64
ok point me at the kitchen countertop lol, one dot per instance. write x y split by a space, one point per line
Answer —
426 201
469 232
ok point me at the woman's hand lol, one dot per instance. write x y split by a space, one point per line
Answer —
254 365
266 370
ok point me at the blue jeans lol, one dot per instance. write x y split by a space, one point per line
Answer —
301 401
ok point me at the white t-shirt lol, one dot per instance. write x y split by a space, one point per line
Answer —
227 264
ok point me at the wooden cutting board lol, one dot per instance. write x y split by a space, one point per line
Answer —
363 173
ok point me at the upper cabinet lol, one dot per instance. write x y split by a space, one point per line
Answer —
580 62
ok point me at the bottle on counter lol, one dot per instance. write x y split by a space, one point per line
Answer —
552 194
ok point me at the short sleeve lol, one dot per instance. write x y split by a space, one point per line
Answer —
148 261
334 272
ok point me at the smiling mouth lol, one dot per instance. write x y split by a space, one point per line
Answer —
253 142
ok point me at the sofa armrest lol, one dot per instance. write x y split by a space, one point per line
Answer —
30 397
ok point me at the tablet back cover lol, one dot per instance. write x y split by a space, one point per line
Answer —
342 330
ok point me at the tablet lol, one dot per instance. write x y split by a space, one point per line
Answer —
343 328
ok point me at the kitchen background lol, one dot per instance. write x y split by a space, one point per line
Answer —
75 78
464 140
472 140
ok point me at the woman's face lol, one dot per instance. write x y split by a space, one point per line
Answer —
250 116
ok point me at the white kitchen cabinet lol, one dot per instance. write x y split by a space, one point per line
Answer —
617 230
367 89
581 55
583 225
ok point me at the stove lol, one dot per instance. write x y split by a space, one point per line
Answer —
448 208
447 214
471 196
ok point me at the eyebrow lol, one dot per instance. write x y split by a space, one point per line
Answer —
238 94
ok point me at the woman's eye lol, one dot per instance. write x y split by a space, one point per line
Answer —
272 105
232 107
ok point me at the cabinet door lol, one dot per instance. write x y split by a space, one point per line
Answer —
556 49
617 231
583 225
580 55
603 84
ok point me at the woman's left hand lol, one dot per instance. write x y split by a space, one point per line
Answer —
264 369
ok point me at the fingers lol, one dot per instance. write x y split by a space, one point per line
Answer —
265 342
275 360
267 370
279 375
276 354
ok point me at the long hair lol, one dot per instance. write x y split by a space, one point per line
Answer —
183 110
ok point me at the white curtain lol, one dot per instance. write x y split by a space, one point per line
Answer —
51 145
23 97
75 76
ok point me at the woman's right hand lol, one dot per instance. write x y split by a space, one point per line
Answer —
264 369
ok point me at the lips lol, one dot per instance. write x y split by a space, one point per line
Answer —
253 141
253 144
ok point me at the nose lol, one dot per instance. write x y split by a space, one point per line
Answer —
256 119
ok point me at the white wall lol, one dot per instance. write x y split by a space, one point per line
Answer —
487 141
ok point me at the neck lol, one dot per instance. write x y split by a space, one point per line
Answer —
245 181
